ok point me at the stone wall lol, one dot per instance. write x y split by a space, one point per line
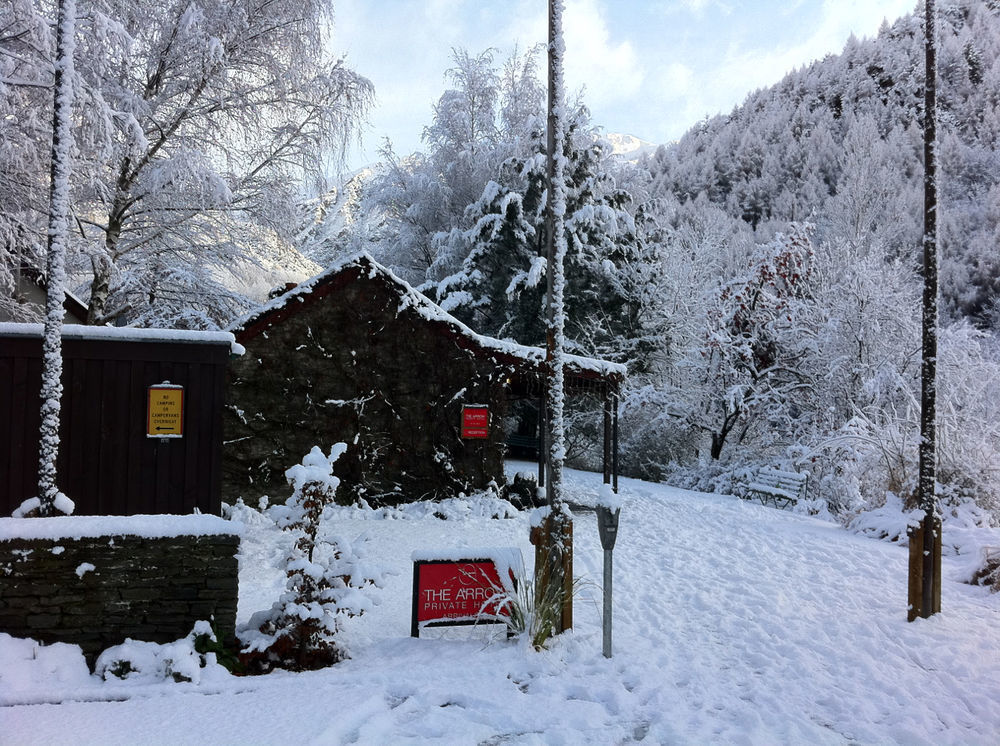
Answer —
359 366
97 591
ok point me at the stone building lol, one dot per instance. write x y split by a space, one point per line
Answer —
355 355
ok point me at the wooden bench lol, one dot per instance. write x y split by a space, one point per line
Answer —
775 486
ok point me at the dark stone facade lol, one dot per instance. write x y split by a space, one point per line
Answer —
151 589
356 359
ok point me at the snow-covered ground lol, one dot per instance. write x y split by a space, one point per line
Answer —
734 623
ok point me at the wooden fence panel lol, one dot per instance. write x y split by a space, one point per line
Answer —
107 464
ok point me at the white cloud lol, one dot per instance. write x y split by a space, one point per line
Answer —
651 68
840 17
677 80
610 69
696 6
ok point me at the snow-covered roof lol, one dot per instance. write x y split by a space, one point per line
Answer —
252 324
123 333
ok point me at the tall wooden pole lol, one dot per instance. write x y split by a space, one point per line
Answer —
58 230
554 261
925 542
554 545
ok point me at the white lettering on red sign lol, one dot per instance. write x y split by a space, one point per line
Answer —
475 422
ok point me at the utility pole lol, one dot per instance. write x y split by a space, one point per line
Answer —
554 538
924 596
60 170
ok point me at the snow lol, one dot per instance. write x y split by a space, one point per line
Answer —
427 309
126 334
150 663
84 568
506 560
608 498
629 147
316 468
147 526
63 504
733 623
25 508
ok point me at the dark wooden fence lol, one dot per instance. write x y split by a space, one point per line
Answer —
107 465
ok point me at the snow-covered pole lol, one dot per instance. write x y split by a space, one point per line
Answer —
556 250
554 558
925 543
58 230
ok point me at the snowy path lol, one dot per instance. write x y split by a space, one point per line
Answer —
734 623
759 629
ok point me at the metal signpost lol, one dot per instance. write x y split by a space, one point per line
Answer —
607 526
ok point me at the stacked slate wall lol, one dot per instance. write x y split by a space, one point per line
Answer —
96 591
350 362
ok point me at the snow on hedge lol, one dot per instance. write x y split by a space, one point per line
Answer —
91 526
124 334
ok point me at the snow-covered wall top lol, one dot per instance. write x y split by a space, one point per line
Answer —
423 306
147 526
125 333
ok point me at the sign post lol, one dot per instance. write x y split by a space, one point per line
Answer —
607 526
165 411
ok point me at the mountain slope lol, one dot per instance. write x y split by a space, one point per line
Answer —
838 143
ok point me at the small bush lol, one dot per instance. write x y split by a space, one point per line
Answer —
150 662
989 572
325 580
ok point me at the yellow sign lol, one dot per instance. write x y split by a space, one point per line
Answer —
165 411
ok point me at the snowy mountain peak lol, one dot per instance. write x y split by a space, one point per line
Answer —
629 147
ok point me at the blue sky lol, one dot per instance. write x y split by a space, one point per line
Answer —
650 68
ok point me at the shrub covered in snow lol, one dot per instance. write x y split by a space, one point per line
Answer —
326 580
988 572
151 663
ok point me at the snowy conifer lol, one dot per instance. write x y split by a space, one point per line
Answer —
325 580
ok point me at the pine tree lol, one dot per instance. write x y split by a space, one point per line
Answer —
325 580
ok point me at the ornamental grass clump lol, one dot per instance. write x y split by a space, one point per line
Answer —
326 580
533 616
531 612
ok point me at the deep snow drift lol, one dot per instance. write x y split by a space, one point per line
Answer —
734 623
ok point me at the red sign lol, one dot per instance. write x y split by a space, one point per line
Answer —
456 592
475 421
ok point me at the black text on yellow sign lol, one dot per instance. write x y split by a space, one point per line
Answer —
165 411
